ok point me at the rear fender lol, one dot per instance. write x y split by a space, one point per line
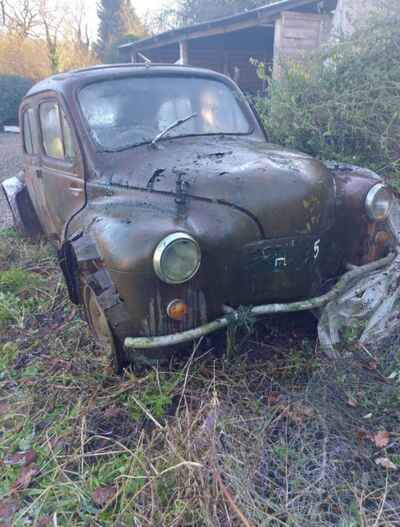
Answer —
24 215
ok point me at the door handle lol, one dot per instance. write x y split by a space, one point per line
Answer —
75 190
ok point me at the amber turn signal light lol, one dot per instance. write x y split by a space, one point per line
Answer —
177 309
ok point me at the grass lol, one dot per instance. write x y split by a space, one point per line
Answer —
268 434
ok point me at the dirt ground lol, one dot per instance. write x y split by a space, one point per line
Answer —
10 164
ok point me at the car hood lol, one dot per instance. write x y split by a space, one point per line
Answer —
287 192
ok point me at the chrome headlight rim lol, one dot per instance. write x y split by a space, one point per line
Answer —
160 252
370 200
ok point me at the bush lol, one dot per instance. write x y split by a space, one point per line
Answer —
12 90
343 102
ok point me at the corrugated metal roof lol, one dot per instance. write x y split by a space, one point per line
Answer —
270 10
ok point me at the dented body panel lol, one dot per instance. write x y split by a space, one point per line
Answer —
273 225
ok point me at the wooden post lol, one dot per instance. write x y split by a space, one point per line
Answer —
183 52
276 69
296 33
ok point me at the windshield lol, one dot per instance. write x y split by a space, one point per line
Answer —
132 111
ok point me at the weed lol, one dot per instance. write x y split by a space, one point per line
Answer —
8 353
16 280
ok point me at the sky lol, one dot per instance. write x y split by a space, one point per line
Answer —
142 6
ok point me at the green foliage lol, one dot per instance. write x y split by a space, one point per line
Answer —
156 397
113 55
10 308
8 352
117 19
343 103
12 90
14 280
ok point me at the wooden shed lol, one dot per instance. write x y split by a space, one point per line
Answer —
227 45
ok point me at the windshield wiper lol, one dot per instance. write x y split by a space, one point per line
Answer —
171 127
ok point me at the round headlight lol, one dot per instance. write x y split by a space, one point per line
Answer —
177 258
378 203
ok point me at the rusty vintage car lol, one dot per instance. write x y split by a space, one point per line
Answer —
170 209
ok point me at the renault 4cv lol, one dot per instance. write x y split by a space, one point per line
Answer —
170 209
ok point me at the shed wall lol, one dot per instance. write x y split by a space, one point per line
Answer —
295 34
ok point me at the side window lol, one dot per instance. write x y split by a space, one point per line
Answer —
58 141
51 130
27 134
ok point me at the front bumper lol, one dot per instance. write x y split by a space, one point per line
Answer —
345 282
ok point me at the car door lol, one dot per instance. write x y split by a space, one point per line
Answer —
32 162
62 175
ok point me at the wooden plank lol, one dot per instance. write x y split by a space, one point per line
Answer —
299 43
212 31
295 15
183 52
306 33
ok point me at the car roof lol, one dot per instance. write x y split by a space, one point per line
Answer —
62 81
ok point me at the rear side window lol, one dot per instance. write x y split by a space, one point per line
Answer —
58 140
29 132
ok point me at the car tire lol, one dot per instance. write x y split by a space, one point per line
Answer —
100 326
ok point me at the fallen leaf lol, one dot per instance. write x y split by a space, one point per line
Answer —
4 409
57 443
381 439
386 463
21 458
273 398
114 411
352 402
8 508
25 477
298 412
44 521
102 494
372 365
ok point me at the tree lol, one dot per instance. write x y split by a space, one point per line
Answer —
43 37
25 57
188 12
21 17
51 20
117 18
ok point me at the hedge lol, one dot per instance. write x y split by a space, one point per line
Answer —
12 90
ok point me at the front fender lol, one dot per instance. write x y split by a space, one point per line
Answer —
24 215
363 240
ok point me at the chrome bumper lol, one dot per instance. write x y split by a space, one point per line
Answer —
347 280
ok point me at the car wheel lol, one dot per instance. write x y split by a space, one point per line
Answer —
101 329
